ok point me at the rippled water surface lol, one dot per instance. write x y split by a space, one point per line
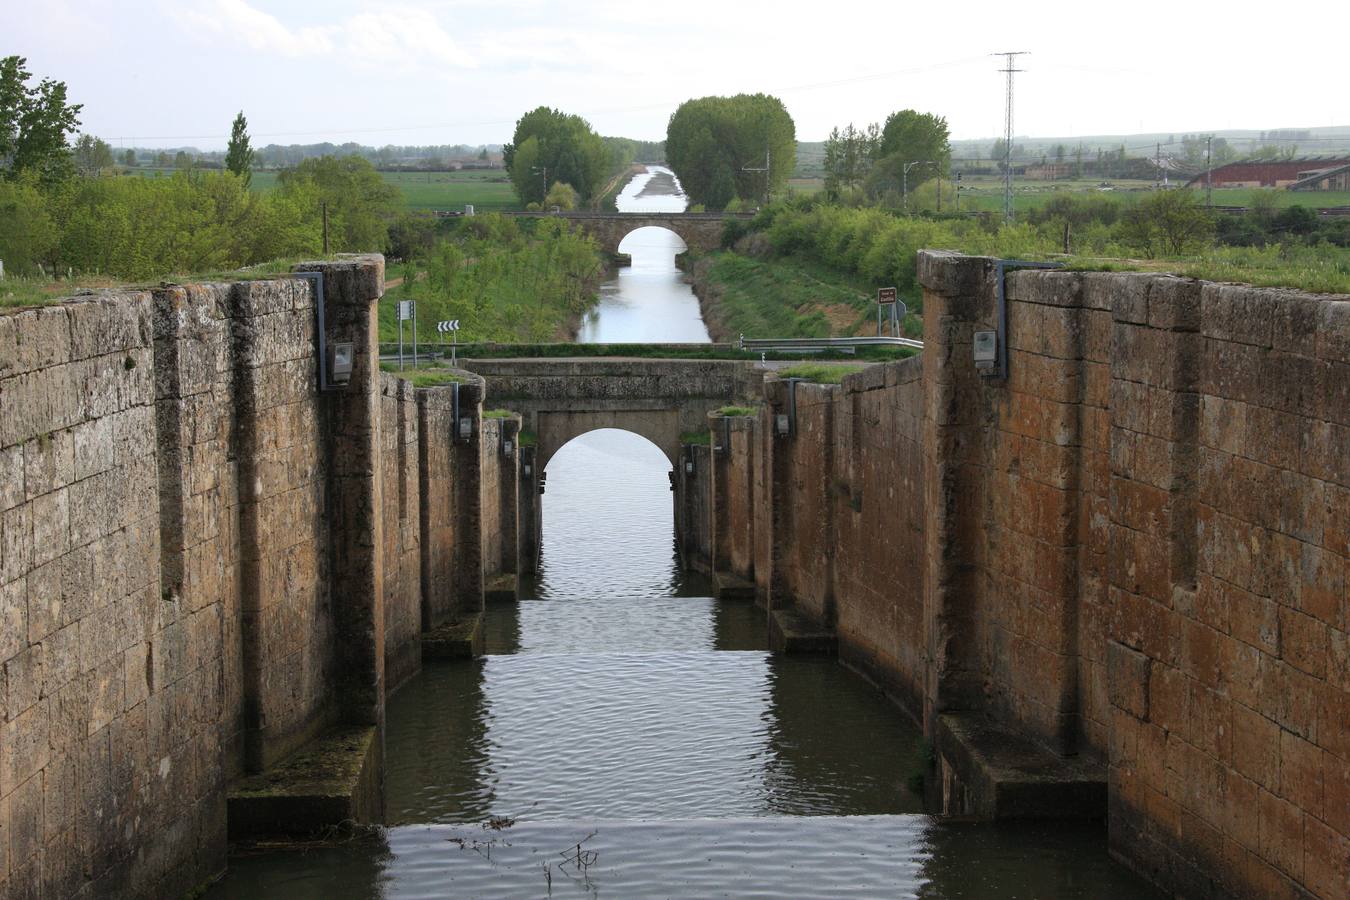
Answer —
643 744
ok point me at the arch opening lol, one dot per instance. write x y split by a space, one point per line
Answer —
652 249
608 514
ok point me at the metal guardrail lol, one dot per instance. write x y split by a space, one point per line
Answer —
820 345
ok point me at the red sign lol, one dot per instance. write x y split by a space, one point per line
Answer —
886 295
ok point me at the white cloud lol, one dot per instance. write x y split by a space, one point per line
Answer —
401 37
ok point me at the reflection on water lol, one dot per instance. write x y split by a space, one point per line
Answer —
647 301
622 710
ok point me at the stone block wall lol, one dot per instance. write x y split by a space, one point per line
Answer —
402 552
167 615
439 503
1134 551
693 507
732 495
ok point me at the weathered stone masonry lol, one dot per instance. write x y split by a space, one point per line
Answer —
206 564
1127 564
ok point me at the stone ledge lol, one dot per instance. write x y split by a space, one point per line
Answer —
791 632
988 772
333 782
732 587
462 639
502 587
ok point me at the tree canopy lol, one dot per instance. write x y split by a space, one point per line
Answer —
551 146
34 124
715 144
359 201
919 141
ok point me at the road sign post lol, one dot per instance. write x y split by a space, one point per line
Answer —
885 297
452 326
405 312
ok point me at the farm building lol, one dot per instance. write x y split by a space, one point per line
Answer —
1278 173
1336 178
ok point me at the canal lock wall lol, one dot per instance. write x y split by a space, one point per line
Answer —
1113 584
212 573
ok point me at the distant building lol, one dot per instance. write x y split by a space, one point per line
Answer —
1276 173
1049 171
1336 178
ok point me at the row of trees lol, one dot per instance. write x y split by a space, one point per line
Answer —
881 163
729 148
58 215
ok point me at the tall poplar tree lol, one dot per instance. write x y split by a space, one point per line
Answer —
239 156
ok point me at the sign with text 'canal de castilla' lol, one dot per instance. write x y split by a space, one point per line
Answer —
886 295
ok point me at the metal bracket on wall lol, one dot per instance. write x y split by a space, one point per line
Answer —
316 278
1004 266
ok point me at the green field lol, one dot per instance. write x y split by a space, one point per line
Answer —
986 193
487 191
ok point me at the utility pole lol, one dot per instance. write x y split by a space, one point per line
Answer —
542 171
1209 165
904 181
1009 57
1157 165
765 170
323 205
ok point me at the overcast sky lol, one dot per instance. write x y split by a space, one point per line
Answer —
462 71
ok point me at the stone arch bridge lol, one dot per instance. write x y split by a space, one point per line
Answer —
699 231
660 399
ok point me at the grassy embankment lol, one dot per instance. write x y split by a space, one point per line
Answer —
812 273
783 297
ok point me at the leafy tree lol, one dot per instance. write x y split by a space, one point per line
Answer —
359 201
910 137
181 160
92 155
1167 223
27 233
129 158
711 141
561 147
239 155
162 160
561 195
849 156
34 124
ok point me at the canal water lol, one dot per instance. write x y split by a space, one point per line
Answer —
628 736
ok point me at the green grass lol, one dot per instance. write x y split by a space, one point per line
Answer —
488 191
736 411
424 377
986 193
18 291
821 374
648 351
497 414
703 438
787 297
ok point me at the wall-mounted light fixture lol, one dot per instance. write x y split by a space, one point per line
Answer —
782 425
688 465
527 470
465 429
342 362
506 448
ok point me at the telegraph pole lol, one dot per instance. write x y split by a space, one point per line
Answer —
765 170
1009 57
542 171
1209 165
